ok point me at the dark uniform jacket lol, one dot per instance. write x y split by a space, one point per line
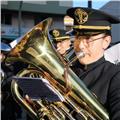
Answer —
103 79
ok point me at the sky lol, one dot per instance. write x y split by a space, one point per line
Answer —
96 4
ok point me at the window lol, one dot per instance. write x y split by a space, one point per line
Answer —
6 19
39 18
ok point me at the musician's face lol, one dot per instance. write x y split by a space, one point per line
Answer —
63 46
93 47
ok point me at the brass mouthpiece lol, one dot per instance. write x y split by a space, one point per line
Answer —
78 56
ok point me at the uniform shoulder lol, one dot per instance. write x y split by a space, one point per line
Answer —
113 67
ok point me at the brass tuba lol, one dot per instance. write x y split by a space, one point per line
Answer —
36 49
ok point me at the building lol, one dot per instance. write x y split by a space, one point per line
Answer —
113 8
17 17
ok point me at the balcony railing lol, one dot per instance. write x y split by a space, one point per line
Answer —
8 30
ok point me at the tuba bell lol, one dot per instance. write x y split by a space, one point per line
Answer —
36 49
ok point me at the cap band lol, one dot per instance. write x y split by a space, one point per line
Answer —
92 27
61 38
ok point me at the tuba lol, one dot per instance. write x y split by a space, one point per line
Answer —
36 49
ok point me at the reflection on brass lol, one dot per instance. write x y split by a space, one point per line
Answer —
36 49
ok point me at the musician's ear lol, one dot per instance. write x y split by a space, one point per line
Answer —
106 42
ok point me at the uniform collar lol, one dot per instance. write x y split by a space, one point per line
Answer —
92 65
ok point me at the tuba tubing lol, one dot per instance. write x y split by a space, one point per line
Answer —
35 48
21 101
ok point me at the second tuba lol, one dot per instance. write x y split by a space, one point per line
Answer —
36 49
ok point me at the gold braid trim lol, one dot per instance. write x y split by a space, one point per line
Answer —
92 27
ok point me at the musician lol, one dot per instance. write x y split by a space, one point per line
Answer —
61 40
92 30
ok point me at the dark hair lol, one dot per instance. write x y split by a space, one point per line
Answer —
108 32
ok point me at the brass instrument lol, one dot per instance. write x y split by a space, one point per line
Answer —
36 49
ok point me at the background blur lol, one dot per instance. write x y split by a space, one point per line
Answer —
17 17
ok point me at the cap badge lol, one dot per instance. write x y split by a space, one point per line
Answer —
56 33
81 16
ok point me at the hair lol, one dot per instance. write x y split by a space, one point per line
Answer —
108 32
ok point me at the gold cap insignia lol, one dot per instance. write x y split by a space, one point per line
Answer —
56 33
81 16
